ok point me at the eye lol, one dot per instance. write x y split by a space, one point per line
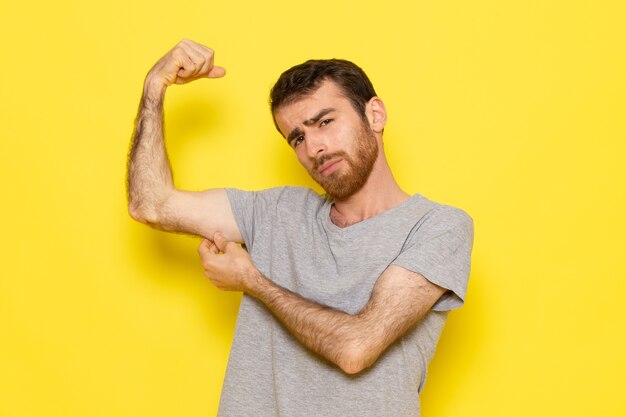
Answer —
325 122
297 141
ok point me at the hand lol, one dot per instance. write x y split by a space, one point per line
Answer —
186 62
226 264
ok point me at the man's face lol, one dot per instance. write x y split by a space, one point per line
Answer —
332 142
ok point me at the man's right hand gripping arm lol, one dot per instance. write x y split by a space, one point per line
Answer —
152 196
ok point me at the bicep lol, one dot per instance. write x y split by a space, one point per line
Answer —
200 213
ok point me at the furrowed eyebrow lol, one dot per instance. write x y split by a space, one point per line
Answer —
318 116
297 132
294 134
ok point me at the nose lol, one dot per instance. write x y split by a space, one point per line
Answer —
315 145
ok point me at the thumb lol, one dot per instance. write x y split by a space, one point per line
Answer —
220 241
216 72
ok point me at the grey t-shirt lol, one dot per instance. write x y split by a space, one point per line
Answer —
292 241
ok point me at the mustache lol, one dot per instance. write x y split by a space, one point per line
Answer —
318 162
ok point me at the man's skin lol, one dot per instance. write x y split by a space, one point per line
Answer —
325 133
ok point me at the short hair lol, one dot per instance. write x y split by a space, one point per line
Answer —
304 79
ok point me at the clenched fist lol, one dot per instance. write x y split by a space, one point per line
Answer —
186 62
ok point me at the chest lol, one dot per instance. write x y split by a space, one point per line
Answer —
336 268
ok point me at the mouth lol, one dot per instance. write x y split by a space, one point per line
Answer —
329 167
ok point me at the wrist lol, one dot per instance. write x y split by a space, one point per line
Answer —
256 284
154 89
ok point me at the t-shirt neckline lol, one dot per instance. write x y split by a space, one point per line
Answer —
332 227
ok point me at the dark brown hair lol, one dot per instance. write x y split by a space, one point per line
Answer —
304 79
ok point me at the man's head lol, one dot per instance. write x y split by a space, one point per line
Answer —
304 79
329 113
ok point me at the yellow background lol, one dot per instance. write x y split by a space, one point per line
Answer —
514 111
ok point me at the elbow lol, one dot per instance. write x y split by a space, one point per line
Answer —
142 214
135 213
351 368
355 359
149 208
148 205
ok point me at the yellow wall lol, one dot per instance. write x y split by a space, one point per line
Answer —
514 111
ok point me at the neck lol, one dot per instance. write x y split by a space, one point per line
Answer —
380 193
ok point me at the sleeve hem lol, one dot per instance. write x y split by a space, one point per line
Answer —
452 299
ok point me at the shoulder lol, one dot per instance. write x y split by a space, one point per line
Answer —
305 201
292 196
288 196
298 193
440 216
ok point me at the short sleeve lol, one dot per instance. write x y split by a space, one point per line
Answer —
439 248
250 209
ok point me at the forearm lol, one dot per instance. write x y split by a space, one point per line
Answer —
339 337
149 173
400 298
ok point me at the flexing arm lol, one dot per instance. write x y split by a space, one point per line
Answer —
400 299
150 180
152 197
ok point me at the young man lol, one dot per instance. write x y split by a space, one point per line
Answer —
345 295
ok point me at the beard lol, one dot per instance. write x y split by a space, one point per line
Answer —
344 183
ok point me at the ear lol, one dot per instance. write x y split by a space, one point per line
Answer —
376 114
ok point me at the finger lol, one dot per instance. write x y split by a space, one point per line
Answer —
201 58
206 248
214 248
201 55
198 59
185 64
207 55
208 66
189 71
220 241
201 49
